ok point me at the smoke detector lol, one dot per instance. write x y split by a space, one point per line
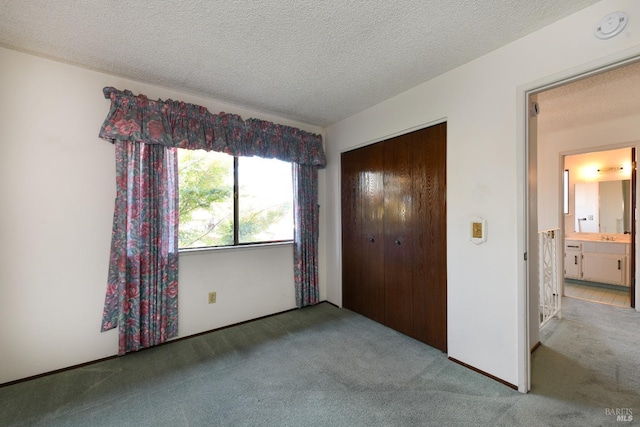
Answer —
611 25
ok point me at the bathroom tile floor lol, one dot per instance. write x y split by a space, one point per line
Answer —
596 294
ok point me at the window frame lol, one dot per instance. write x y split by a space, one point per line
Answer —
236 216
566 209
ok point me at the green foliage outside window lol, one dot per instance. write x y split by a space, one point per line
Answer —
206 181
206 199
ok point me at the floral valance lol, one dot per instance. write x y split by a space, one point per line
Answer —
183 125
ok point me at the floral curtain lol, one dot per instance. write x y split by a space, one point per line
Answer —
142 289
179 124
143 272
305 240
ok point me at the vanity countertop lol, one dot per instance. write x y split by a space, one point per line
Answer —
599 238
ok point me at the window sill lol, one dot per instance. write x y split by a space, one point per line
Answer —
252 246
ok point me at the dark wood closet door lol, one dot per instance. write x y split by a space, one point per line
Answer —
394 243
362 232
429 302
415 230
399 245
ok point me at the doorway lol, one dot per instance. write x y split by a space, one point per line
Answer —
596 113
600 111
599 234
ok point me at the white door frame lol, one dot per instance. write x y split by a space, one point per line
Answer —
525 241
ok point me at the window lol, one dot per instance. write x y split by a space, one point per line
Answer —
565 192
227 201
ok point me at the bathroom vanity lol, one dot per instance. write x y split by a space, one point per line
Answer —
602 261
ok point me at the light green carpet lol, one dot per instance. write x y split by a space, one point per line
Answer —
324 366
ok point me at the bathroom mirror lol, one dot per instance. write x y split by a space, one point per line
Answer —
603 207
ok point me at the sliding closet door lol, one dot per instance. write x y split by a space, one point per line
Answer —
362 232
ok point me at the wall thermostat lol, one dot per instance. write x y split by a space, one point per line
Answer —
478 230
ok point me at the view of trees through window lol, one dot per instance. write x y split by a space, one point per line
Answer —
207 212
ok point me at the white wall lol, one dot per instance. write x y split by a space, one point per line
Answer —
57 187
483 103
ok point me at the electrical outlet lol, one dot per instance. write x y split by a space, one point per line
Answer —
212 297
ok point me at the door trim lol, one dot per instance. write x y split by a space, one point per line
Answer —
634 229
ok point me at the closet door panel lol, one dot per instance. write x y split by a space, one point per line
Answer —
362 238
399 239
350 230
430 264
372 232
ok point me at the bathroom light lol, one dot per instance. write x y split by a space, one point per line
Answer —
610 169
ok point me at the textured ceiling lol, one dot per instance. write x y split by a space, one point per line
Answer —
316 61
602 97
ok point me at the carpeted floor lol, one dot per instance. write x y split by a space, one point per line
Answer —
324 366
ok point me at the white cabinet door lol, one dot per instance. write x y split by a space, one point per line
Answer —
573 264
604 268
